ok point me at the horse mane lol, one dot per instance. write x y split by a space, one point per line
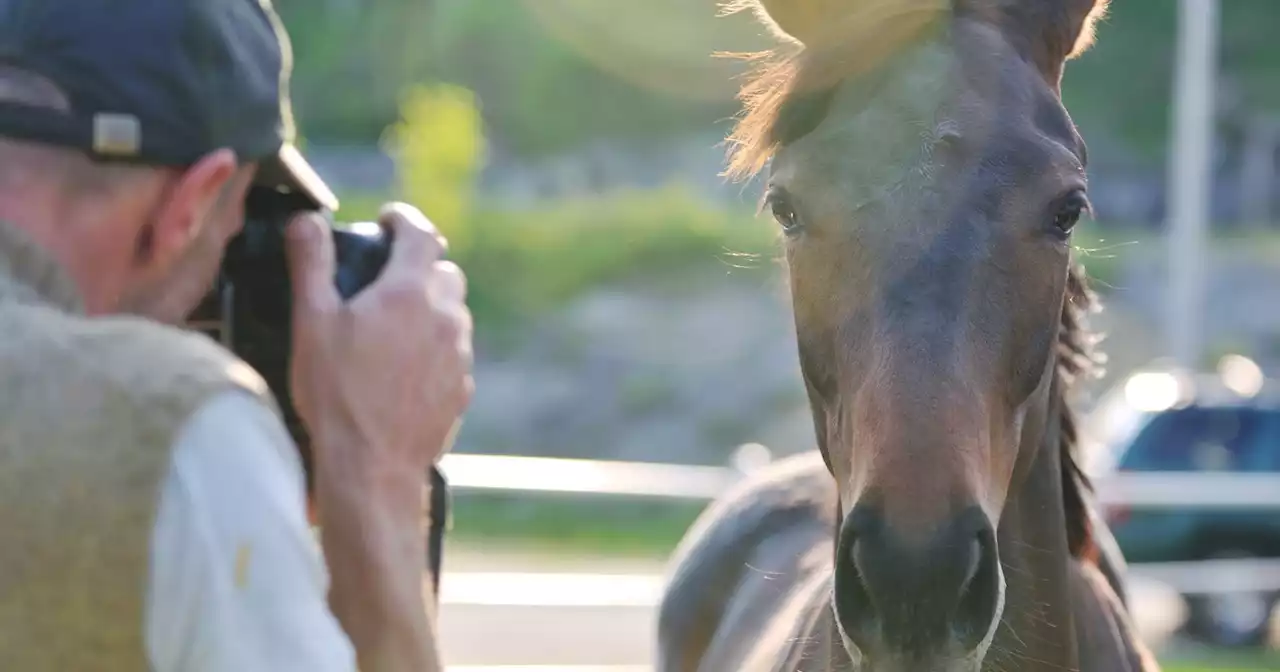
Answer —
1076 359
789 93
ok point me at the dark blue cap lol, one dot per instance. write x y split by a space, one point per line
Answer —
160 82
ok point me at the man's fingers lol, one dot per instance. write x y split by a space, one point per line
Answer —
416 243
309 247
466 345
448 282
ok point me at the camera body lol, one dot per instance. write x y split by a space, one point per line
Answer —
251 306
250 312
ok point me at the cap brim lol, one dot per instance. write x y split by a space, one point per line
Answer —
290 170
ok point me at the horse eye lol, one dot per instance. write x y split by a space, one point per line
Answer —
1069 212
783 213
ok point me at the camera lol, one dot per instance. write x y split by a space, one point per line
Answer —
250 308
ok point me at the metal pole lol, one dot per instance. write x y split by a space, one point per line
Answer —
1190 175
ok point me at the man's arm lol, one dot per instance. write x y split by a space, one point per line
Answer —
377 590
380 382
237 583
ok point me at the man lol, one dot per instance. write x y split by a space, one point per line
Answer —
151 501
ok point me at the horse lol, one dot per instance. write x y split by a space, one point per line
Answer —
926 179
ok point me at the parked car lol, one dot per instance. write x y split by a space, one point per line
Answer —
1159 421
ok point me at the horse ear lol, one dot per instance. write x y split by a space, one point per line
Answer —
1089 13
797 21
1051 31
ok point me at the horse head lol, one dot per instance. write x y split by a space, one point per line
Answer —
926 179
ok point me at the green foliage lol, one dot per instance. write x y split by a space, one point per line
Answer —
555 74
559 73
440 145
1248 51
520 263
1214 669
552 74
1206 659
1122 88
568 524
351 60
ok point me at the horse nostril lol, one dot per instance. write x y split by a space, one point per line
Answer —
980 598
854 608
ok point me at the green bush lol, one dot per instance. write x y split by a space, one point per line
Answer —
556 74
523 263
439 143
352 59
565 523
542 92
520 263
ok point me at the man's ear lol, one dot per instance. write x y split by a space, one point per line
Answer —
184 208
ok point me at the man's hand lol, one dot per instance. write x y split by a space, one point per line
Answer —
380 382
391 368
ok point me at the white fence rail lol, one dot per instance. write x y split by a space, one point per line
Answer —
673 481
1190 490
1148 490
1204 577
549 474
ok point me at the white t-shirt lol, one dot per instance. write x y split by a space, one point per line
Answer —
238 582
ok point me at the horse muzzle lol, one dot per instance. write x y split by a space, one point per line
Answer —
928 605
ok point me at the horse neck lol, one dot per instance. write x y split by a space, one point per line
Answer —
1037 631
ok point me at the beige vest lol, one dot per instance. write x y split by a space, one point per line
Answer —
88 411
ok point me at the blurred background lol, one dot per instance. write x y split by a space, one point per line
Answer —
630 306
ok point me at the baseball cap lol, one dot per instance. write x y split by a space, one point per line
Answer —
160 82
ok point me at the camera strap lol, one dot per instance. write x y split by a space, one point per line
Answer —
437 525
